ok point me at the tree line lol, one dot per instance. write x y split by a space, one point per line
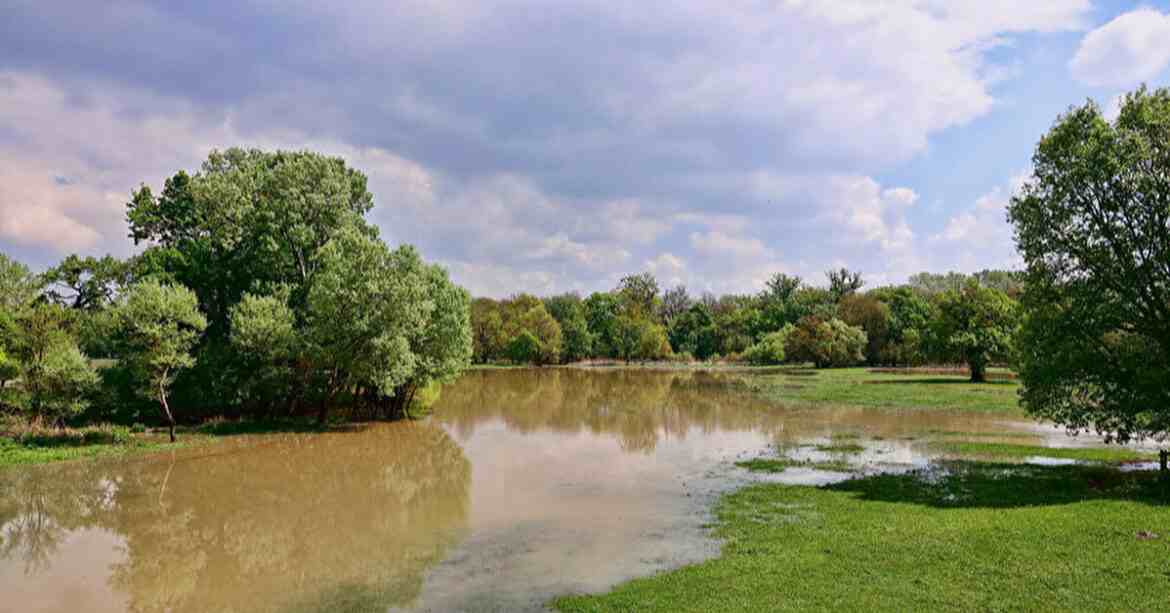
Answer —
954 318
260 290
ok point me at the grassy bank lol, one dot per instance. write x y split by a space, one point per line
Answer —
968 536
861 387
26 445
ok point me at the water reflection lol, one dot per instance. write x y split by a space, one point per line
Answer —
523 485
346 521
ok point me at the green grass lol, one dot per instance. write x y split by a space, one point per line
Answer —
15 453
984 537
841 448
859 387
779 465
1010 451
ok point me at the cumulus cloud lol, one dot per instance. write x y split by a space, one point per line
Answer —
528 145
1131 48
980 236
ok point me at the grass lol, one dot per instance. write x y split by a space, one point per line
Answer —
841 448
1011 451
860 387
779 465
973 536
32 445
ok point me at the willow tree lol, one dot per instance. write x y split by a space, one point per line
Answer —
1093 226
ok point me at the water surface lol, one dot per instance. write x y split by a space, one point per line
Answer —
524 484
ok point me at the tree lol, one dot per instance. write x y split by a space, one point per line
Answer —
524 348
86 284
693 332
974 326
909 321
601 312
55 379
526 313
675 302
158 327
639 295
770 349
1093 227
640 339
264 331
487 329
869 314
843 282
576 340
18 286
825 343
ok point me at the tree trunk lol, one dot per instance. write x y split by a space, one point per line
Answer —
162 396
978 373
1163 459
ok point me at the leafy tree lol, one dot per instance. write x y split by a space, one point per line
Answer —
675 302
264 331
770 349
843 282
577 340
87 283
909 321
639 295
974 326
780 287
640 339
525 312
55 378
1093 227
18 286
601 312
825 343
365 302
693 332
158 327
487 328
873 316
811 301
524 348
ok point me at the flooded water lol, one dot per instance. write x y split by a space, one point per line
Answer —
523 485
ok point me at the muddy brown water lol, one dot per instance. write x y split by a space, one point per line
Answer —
524 484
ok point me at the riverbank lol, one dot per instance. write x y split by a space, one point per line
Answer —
962 535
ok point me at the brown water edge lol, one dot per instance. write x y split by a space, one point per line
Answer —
525 484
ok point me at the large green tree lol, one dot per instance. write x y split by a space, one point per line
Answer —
1093 226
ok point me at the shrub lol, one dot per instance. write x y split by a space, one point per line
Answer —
770 349
826 343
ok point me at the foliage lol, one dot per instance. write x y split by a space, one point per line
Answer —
87 283
675 302
910 391
55 379
18 286
639 295
974 326
158 326
1093 226
526 313
694 332
843 282
770 349
524 348
871 315
576 339
826 343
601 312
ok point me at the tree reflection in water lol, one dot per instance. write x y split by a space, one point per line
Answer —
338 521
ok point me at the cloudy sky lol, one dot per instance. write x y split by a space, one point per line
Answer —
556 145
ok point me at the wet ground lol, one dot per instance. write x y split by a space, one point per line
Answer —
523 485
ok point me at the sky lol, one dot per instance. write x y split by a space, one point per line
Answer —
557 146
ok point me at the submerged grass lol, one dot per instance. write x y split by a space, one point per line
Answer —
861 387
779 465
1011 451
971 536
841 448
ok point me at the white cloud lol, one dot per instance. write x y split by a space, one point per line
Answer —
1133 47
980 236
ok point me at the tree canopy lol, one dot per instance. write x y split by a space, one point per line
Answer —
1093 226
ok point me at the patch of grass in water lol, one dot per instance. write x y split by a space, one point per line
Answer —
1011 451
973 536
778 465
841 448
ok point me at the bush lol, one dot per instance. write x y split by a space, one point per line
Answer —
826 343
770 349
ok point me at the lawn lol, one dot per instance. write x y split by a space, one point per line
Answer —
1011 451
965 536
861 387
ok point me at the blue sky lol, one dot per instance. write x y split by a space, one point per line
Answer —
537 146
